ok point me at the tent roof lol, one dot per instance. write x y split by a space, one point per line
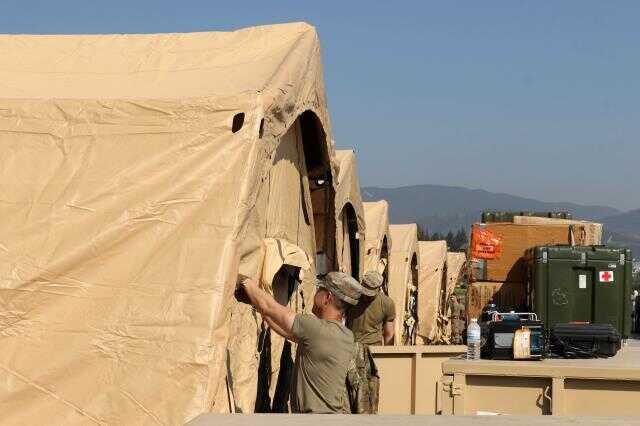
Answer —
405 246
377 219
376 215
433 256
348 185
455 269
155 66
405 238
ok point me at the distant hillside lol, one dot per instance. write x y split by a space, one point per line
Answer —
628 223
441 203
618 239
624 230
443 208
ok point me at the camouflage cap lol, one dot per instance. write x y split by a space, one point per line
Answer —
371 283
344 286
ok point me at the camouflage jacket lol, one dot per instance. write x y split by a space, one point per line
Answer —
363 382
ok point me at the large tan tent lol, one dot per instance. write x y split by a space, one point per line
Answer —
403 277
377 241
350 216
431 276
138 175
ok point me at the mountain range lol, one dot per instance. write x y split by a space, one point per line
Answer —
440 208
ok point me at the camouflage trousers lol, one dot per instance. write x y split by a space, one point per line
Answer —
374 392
363 382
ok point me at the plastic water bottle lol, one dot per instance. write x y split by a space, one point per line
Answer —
473 340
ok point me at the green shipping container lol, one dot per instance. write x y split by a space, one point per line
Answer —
507 216
581 284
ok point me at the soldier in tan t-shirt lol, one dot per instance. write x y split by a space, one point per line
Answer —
325 345
372 319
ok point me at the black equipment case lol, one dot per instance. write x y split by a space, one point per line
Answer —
585 341
498 336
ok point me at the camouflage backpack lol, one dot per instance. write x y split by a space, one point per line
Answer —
363 382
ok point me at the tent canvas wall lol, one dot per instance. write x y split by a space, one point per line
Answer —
455 269
350 217
137 175
378 240
431 286
286 202
403 272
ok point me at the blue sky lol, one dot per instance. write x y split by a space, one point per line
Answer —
538 99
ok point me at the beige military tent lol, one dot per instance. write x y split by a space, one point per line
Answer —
350 216
138 175
378 240
431 276
403 279
455 269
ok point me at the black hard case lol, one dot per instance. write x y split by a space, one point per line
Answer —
585 340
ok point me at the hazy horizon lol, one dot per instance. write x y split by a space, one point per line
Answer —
497 192
533 99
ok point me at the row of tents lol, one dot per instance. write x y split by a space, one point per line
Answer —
139 174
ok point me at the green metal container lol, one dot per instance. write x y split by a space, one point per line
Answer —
507 216
581 284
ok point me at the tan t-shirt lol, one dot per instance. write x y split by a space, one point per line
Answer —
325 349
367 318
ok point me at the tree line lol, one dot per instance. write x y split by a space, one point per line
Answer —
455 241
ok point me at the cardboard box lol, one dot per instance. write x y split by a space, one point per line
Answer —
592 235
510 266
507 296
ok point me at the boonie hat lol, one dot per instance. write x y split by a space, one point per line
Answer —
371 282
344 286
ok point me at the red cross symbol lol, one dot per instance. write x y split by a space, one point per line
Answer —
606 276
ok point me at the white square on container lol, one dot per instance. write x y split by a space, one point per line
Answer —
582 281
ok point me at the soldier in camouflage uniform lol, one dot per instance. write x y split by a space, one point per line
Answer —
458 319
372 323
332 372
372 319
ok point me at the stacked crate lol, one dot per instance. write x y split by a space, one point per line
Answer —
497 254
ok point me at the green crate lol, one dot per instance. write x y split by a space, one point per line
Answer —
581 284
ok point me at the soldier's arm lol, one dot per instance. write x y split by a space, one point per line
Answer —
388 332
280 318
